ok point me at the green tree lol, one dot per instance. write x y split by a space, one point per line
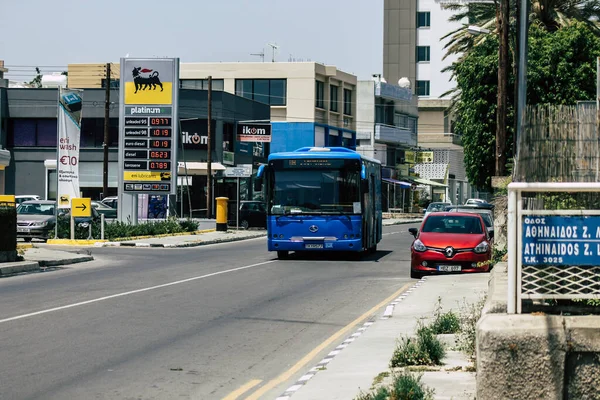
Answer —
561 70
550 15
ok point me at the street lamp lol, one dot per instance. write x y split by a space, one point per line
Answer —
476 30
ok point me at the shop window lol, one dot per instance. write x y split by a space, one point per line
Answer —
333 98
268 91
422 88
319 94
423 54
201 84
347 101
423 19
32 132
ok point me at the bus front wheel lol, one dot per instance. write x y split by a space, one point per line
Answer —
282 254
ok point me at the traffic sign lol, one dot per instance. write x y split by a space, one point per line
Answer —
241 171
7 198
81 207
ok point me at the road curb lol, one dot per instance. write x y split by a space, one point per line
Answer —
410 221
22 266
65 261
182 245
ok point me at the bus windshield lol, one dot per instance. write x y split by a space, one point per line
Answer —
315 191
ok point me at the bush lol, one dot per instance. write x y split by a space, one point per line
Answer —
424 349
119 230
469 315
444 323
405 386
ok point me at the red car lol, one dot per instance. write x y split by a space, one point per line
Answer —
450 242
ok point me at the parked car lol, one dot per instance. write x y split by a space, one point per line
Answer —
486 214
436 206
102 208
450 242
36 219
111 201
253 214
26 197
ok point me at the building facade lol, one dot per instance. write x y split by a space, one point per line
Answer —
413 47
4 153
30 136
311 104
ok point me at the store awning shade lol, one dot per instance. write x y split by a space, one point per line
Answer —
427 182
403 185
198 168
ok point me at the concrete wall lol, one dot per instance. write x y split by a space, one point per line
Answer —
365 110
535 356
431 121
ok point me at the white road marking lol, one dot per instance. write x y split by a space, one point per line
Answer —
83 303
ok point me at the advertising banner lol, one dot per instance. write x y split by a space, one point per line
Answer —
253 132
69 129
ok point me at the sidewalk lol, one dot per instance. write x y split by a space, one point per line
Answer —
37 258
367 353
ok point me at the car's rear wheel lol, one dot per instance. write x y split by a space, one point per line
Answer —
282 254
415 274
245 224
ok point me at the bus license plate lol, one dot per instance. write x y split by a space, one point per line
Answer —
313 246
449 268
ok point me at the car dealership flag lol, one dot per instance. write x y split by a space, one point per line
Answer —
67 160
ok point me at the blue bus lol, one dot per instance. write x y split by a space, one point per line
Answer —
322 199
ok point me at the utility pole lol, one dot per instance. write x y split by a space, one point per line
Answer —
209 153
503 19
106 132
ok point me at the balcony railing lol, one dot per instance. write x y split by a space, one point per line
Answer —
394 134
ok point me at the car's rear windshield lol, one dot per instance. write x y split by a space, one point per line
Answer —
437 207
453 224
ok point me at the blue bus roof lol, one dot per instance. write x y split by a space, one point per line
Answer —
321 152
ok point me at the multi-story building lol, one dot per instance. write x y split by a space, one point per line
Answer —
311 104
4 154
413 48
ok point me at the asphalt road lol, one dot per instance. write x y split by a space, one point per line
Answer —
199 323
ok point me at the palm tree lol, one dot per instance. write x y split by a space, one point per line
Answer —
551 14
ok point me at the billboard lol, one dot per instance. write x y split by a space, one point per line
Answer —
148 125
253 132
67 160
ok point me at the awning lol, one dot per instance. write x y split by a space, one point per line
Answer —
198 168
403 185
427 182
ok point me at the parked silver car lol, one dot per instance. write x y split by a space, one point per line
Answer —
36 219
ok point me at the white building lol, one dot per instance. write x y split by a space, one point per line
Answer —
413 47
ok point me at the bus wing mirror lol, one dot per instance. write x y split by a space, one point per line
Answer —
258 185
364 186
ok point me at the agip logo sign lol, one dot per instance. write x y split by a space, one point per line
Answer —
149 83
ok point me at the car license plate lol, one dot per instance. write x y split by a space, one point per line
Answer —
22 230
449 268
313 246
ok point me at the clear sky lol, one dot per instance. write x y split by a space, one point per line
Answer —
52 34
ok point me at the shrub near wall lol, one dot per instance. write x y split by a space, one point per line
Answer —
8 232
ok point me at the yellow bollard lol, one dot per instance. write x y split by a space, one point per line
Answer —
222 213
